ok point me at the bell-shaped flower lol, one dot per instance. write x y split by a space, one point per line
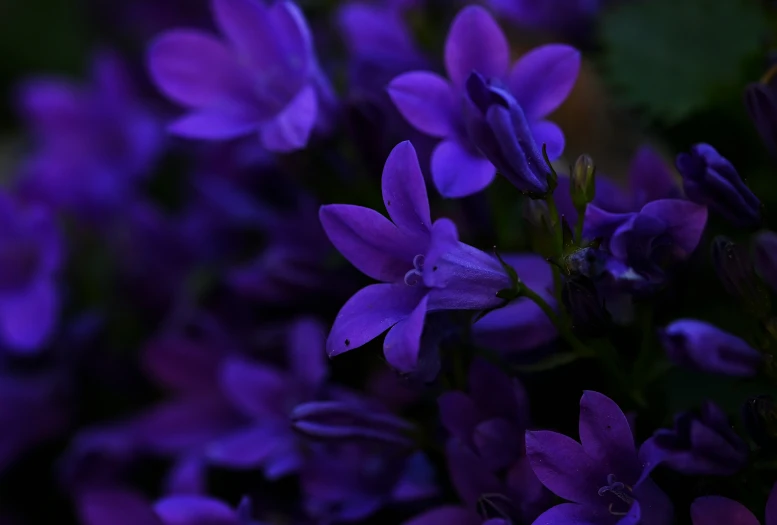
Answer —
423 266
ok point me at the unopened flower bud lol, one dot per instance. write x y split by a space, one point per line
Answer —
582 182
736 272
759 415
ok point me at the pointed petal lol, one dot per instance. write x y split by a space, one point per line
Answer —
257 390
425 99
403 341
458 172
291 128
223 123
574 514
27 319
369 313
543 78
404 190
251 447
562 466
194 510
475 42
548 133
685 222
115 507
602 223
713 510
650 178
273 38
195 69
606 436
307 351
369 241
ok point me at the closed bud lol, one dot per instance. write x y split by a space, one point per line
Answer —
736 272
585 307
759 415
582 182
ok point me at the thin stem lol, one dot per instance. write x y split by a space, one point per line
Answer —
577 345
579 227
558 236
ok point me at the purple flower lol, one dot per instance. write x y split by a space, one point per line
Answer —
712 510
521 325
766 257
94 142
265 80
31 254
600 475
663 231
266 396
697 445
539 82
423 266
498 128
701 346
548 14
711 180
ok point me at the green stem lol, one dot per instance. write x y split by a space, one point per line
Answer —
579 225
577 346
558 236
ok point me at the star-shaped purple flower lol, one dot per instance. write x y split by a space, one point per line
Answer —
423 266
713 510
540 82
264 80
600 475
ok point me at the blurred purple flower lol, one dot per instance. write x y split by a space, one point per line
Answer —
521 325
31 256
701 346
540 82
94 143
423 266
711 180
265 80
712 510
562 15
266 396
601 474
697 445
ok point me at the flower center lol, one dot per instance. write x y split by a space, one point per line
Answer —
415 276
620 491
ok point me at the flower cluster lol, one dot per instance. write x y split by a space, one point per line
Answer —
201 259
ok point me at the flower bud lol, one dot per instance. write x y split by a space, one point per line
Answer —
711 180
582 182
736 272
759 415
497 126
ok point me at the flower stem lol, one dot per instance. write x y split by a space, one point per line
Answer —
577 346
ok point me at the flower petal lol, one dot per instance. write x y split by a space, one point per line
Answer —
369 313
458 172
712 510
469 474
404 190
403 342
449 515
606 436
369 241
685 221
115 507
475 42
195 69
425 100
273 38
256 389
602 223
252 447
650 178
574 514
771 507
562 466
194 510
543 78
548 133
306 350
458 414
223 123
27 319
291 128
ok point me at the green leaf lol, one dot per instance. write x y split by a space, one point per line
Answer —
673 58
549 363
